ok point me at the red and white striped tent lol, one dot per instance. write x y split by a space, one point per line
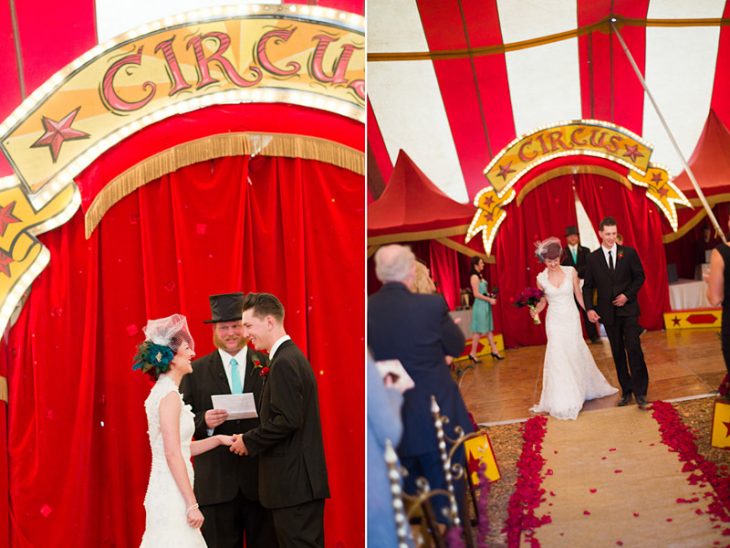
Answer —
453 83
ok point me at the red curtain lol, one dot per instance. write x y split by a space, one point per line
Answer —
546 211
444 266
77 443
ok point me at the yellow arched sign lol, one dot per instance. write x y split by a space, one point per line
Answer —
577 138
298 54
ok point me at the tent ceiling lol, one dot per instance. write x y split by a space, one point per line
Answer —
453 82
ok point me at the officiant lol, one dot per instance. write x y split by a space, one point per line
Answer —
226 486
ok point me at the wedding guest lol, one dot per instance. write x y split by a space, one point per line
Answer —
423 283
718 293
173 516
576 255
482 322
418 331
227 486
292 470
384 423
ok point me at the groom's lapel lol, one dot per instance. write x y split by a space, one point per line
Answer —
604 264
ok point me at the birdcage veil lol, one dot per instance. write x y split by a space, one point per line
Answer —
550 248
171 331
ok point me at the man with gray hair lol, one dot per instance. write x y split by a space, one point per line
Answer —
395 263
418 331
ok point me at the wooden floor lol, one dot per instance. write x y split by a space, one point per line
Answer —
681 363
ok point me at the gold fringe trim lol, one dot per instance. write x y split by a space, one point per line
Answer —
4 389
217 146
569 170
416 236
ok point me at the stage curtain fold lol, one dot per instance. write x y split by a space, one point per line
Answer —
444 264
78 451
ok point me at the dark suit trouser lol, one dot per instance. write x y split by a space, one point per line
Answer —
624 338
301 525
226 523
591 329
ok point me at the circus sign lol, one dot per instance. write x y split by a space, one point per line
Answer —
296 54
577 138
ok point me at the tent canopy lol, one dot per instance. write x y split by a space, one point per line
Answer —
412 203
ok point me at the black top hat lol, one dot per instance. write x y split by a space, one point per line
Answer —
571 230
227 307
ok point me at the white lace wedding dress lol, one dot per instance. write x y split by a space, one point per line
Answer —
570 376
166 524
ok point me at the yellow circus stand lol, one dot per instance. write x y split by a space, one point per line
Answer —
693 319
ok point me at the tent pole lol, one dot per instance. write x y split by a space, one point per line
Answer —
690 173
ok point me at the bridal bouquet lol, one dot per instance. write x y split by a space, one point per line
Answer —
529 297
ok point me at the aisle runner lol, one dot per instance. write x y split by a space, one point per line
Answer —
610 481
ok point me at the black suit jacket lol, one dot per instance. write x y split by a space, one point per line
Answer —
627 278
580 264
418 331
288 441
219 474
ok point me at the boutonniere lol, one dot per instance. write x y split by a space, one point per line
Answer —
258 366
620 255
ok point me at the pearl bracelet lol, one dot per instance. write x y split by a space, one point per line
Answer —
193 507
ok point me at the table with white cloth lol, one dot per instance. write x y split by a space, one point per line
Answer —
686 294
465 321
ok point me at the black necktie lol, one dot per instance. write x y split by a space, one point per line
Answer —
610 261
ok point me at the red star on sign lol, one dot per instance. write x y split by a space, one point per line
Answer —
676 320
663 191
489 217
5 261
727 426
58 132
505 170
632 151
488 201
7 217
656 178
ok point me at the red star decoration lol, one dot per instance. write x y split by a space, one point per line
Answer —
632 151
676 320
656 178
662 192
727 426
5 261
7 217
59 131
505 170
489 217
488 201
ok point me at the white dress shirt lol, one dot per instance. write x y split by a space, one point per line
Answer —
613 254
276 346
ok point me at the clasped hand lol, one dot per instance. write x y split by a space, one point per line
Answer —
620 300
238 447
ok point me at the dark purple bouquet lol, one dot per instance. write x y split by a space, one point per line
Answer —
529 297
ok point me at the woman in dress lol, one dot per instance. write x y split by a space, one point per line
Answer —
570 375
173 517
481 312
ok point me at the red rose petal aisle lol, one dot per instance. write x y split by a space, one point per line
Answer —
610 480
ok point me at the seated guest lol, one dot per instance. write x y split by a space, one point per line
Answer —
418 331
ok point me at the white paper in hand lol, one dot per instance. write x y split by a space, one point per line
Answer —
396 372
239 406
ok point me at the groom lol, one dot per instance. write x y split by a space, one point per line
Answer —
616 272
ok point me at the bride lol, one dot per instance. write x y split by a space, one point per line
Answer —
570 376
173 517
